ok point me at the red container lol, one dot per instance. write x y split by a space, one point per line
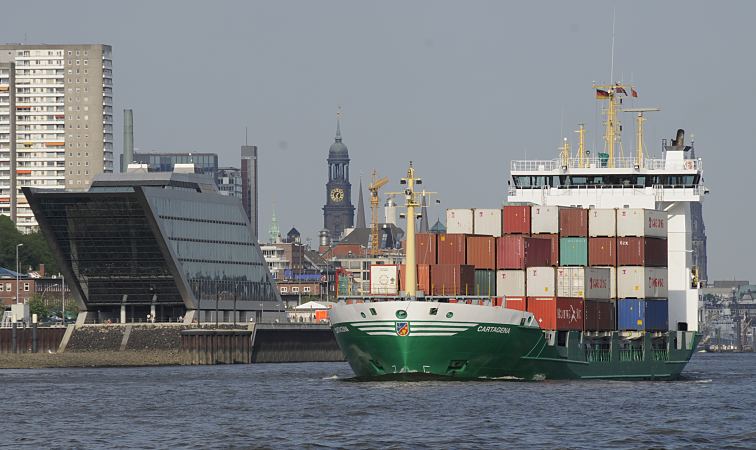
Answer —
498 301
452 279
600 315
554 239
481 252
641 251
573 222
519 252
602 251
557 313
426 248
516 219
518 303
423 278
452 249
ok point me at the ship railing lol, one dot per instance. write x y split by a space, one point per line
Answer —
598 355
631 354
660 354
593 162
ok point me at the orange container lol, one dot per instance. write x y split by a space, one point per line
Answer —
518 303
481 252
557 313
452 249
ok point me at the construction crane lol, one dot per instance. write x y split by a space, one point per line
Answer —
374 203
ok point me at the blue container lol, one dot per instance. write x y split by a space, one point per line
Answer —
635 314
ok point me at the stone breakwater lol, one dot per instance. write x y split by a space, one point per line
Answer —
90 359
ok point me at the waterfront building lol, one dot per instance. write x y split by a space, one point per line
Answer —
165 244
229 181
338 212
204 163
249 185
58 130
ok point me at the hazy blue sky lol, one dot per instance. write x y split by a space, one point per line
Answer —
460 88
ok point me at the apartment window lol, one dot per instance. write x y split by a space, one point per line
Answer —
69 54
8 287
85 62
284 289
295 290
306 289
78 62
26 287
2 287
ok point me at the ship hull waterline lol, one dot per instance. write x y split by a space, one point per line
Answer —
391 348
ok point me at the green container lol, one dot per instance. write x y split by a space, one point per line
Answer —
573 251
485 282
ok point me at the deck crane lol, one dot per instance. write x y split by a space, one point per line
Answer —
374 203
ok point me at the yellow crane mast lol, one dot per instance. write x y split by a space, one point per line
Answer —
374 204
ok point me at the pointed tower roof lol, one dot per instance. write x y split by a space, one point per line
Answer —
438 227
423 228
360 210
274 232
338 149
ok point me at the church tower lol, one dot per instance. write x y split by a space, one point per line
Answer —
338 212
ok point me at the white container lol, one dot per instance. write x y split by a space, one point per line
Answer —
384 279
544 220
612 280
602 222
584 282
641 223
459 221
510 283
541 282
641 282
487 222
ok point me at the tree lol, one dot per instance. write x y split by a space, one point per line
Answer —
37 306
34 252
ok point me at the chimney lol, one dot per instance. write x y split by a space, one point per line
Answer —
41 270
128 139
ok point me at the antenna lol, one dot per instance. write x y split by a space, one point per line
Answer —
639 132
611 70
246 130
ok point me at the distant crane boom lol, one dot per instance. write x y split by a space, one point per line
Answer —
374 187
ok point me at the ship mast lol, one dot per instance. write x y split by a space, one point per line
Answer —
581 145
613 127
639 119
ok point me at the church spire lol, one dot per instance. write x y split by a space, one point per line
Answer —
338 125
360 210
423 228
274 232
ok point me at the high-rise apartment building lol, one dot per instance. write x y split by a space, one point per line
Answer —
63 116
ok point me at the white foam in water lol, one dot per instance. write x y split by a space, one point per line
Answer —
332 377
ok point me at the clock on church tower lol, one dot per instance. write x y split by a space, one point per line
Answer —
338 212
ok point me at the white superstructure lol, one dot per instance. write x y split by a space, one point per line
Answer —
671 183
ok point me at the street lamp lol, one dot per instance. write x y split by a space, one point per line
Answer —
17 246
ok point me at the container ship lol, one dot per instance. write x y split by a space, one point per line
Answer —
585 273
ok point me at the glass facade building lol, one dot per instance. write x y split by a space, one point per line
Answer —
167 244
206 163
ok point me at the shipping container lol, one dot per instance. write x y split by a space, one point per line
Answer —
641 251
554 240
573 251
487 222
602 251
516 219
641 223
485 283
584 282
384 279
641 282
510 282
540 281
519 252
612 281
452 279
602 222
459 221
642 315
481 252
544 220
452 249
498 301
518 303
423 278
426 248
557 313
573 222
600 315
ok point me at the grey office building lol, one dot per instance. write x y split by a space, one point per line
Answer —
167 244
249 185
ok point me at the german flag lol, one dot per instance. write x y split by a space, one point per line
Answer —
601 94
620 89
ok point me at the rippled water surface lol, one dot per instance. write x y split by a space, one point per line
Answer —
315 405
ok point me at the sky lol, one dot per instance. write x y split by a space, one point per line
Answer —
459 88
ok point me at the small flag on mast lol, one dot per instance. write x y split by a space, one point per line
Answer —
620 89
600 93
633 92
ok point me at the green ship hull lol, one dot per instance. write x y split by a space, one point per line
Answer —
503 349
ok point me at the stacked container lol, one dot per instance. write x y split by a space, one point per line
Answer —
642 270
459 221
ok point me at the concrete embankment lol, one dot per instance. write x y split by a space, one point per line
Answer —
161 344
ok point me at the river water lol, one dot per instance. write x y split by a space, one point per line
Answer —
315 405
